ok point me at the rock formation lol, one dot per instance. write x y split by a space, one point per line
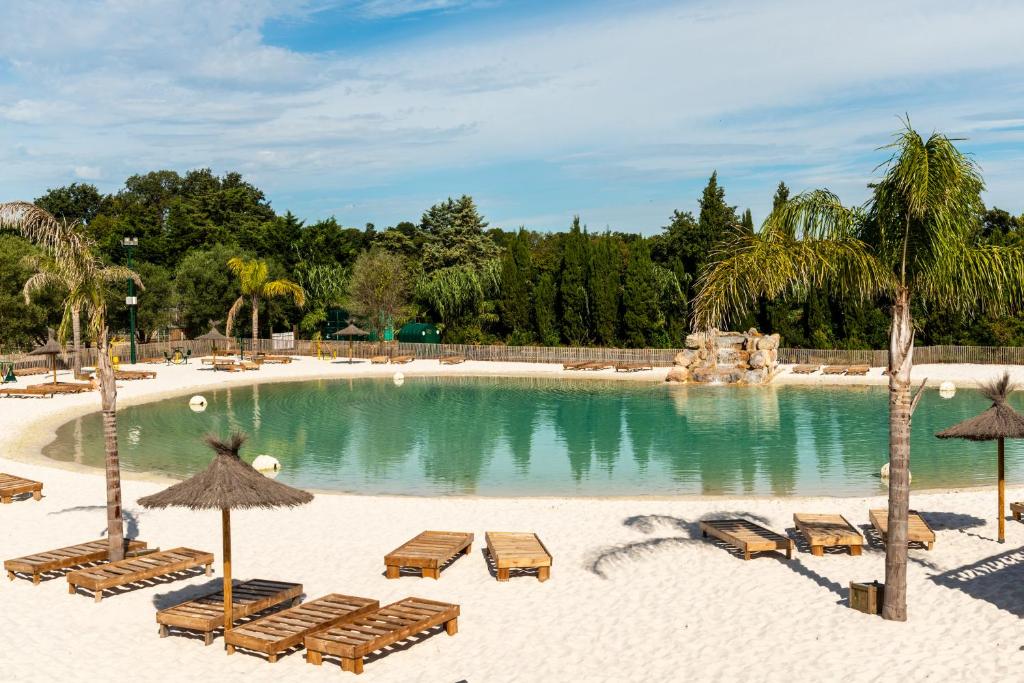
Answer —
727 357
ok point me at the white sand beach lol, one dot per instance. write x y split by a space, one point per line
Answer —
635 593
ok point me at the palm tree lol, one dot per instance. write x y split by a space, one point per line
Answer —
914 240
72 262
48 274
253 276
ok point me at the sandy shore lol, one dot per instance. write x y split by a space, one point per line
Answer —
635 593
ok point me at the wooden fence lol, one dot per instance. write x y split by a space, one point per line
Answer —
1005 355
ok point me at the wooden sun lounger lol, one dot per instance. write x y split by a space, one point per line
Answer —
826 531
134 374
633 367
428 552
227 366
858 370
276 359
205 614
134 569
28 372
918 530
11 486
249 364
27 392
805 369
834 369
597 365
1017 509
512 550
574 364
451 360
283 630
380 360
402 360
747 536
64 558
354 639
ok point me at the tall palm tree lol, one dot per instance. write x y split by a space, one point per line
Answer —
49 275
914 240
253 276
75 265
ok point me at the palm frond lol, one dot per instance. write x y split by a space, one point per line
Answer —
232 313
279 288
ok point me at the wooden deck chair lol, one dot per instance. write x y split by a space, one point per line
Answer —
11 486
135 569
827 531
746 536
205 614
353 639
283 630
918 530
64 558
428 552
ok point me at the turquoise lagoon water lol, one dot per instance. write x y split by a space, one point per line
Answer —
502 436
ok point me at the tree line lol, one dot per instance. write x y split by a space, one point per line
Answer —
478 283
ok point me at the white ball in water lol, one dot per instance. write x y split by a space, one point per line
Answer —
885 473
197 403
266 463
398 379
947 389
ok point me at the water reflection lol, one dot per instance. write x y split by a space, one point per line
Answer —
557 437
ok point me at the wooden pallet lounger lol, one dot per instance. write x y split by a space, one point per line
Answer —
380 360
597 365
205 614
826 531
64 558
427 552
276 359
805 369
11 486
858 370
452 360
574 364
834 369
128 375
134 569
402 360
633 367
512 550
918 530
1017 509
283 630
354 639
747 536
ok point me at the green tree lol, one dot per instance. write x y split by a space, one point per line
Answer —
204 288
747 221
77 202
913 241
605 286
20 322
156 307
455 235
379 289
641 318
545 298
572 286
256 286
516 298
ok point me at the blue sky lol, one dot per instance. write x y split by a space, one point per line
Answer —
371 110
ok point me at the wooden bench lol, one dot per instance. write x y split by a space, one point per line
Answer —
355 638
11 486
918 530
827 531
64 558
283 630
747 536
205 614
1017 509
427 552
135 569
513 550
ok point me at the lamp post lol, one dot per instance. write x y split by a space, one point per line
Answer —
129 244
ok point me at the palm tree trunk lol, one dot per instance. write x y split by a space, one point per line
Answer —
108 398
901 353
76 334
255 322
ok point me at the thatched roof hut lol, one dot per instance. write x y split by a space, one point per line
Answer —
51 348
350 331
999 422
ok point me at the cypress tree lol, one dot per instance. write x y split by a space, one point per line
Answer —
544 312
605 286
781 195
572 286
515 302
641 319
748 221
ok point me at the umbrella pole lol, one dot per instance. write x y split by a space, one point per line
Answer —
54 369
350 351
225 515
1002 494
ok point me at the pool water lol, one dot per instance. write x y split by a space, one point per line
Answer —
511 436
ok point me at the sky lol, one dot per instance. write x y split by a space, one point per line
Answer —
616 111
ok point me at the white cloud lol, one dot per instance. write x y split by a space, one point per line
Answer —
650 94
88 172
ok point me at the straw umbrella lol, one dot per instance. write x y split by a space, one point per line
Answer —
351 331
51 348
229 483
999 422
214 336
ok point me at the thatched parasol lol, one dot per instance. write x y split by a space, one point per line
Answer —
351 331
1000 422
214 336
229 483
51 348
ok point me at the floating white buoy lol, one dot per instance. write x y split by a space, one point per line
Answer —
398 379
267 465
197 403
885 473
947 389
